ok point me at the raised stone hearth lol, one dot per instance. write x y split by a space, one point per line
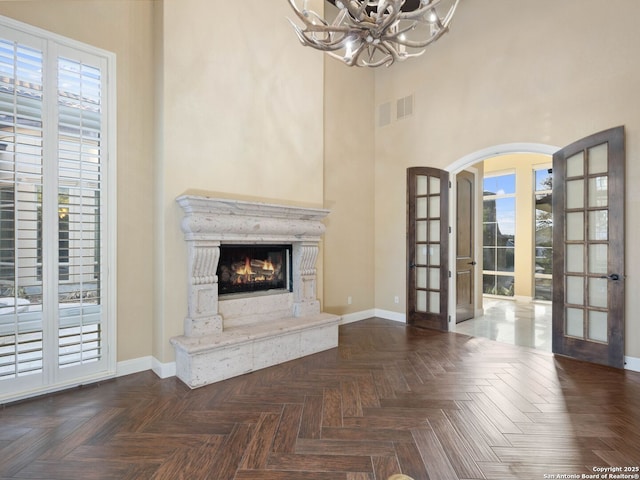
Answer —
231 335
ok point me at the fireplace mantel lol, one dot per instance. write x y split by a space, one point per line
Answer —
209 218
224 337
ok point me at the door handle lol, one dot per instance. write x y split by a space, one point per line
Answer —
613 276
412 265
472 263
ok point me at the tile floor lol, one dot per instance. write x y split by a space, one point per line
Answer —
509 321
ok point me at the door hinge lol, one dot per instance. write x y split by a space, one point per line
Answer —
449 183
449 229
449 273
449 318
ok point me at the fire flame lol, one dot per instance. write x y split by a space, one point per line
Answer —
246 274
246 270
268 266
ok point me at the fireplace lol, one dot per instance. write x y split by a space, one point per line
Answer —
254 268
252 299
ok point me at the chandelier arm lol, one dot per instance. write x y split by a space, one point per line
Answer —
386 61
450 13
389 53
327 45
324 28
310 16
357 10
327 28
340 18
401 56
331 43
389 19
347 61
395 36
301 15
395 5
353 59
371 50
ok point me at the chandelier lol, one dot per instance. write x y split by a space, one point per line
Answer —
372 33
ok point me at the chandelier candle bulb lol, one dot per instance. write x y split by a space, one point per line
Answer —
373 33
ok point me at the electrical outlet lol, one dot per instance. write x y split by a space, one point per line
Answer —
396 299
349 300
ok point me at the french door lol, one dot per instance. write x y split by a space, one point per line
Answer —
588 249
56 324
427 247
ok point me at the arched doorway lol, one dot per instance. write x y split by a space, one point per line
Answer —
512 317
588 244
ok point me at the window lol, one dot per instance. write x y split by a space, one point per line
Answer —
498 226
543 240
56 171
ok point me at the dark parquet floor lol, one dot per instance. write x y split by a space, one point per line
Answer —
391 399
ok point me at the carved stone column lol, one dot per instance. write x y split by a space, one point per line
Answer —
305 255
202 310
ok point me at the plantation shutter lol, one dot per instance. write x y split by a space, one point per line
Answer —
21 182
79 217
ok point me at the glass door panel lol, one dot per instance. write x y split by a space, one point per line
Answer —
575 290
575 165
598 159
575 194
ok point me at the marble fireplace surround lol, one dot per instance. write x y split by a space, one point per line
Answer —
236 334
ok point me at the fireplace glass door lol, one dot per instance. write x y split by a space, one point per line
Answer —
254 268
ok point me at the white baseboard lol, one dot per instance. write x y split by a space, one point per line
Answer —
164 370
357 316
142 364
363 315
632 363
135 365
389 315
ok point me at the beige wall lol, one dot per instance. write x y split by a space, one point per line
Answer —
542 72
349 166
126 29
523 166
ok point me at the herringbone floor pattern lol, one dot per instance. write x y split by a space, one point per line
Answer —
390 399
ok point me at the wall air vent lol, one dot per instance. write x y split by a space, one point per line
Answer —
404 107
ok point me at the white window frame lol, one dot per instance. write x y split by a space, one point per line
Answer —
545 276
57 379
499 273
